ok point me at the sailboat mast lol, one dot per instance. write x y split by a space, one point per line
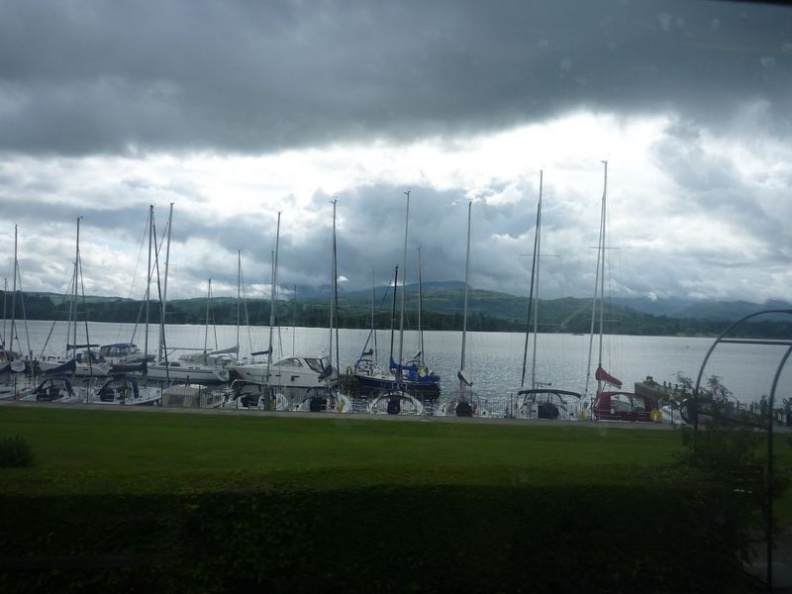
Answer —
420 307
373 323
467 285
206 326
393 312
602 260
599 284
532 293
273 291
148 286
73 305
239 297
294 320
81 293
14 290
163 345
536 282
334 296
5 313
404 281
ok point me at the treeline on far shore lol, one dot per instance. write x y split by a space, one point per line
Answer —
568 315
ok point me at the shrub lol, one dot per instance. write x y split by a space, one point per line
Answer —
15 452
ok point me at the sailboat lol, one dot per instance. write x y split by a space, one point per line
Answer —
79 359
464 402
610 403
291 375
12 360
330 397
540 401
166 370
413 377
216 360
250 394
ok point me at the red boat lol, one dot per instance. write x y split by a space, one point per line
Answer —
623 406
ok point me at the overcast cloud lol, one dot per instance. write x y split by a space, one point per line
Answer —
234 111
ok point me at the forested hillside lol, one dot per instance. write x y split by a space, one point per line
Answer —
442 309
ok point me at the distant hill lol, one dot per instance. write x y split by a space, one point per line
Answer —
698 309
442 307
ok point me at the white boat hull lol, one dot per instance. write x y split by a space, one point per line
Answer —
178 371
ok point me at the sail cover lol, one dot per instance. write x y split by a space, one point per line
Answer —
603 376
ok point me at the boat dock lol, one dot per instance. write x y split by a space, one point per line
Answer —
660 392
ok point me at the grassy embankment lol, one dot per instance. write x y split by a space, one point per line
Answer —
124 499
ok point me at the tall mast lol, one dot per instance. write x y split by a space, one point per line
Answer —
73 305
420 308
393 315
148 287
334 295
5 313
239 297
206 327
81 294
535 299
294 320
599 285
533 291
10 348
463 380
373 323
404 282
163 305
273 295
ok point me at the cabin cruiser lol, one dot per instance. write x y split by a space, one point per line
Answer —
289 372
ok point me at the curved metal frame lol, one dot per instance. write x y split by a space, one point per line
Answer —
768 426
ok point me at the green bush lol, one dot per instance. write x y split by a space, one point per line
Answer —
15 452
658 536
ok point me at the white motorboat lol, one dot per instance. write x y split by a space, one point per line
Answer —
290 372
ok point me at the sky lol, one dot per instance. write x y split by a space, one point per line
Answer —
236 112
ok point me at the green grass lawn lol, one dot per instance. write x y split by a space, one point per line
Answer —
91 451
253 502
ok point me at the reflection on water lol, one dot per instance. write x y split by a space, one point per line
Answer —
494 359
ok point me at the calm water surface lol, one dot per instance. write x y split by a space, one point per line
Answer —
494 359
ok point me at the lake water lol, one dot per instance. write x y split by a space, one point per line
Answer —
494 359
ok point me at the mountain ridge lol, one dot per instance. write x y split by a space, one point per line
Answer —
446 298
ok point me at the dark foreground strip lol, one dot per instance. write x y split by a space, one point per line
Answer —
80 562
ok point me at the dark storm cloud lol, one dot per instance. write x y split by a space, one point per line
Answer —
98 77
